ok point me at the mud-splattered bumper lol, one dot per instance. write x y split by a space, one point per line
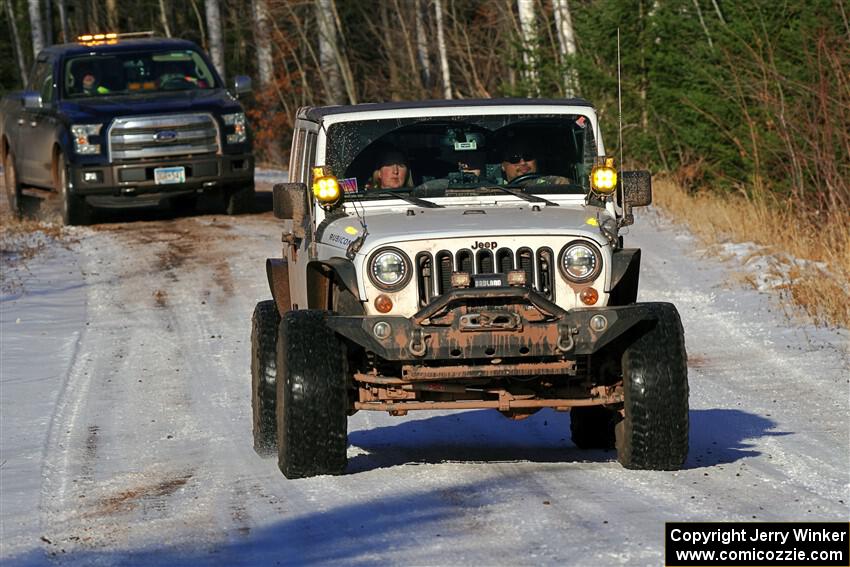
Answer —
491 323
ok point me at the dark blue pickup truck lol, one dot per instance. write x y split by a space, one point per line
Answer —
117 123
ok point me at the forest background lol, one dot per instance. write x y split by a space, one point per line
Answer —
742 107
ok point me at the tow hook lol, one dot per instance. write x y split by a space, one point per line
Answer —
565 338
417 343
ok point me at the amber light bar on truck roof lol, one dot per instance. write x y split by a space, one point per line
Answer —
109 38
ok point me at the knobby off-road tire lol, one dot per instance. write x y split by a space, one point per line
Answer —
75 210
654 431
264 327
592 427
312 399
13 185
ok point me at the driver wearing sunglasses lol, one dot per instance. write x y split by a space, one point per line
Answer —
517 161
519 164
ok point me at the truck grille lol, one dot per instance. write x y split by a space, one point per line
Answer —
433 273
142 137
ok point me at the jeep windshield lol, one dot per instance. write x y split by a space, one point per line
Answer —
463 155
136 73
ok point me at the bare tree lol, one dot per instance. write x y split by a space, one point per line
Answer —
528 25
422 46
441 47
163 18
111 15
566 44
16 41
216 47
35 26
263 41
63 21
328 51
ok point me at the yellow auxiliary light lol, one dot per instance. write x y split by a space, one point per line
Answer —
603 178
326 190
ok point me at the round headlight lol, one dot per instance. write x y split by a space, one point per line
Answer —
580 262
389 269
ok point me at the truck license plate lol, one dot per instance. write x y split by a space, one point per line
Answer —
168 175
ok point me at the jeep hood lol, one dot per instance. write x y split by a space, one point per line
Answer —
475 223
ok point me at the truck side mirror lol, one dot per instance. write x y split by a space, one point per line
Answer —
637 192
241 85
32 100
290 203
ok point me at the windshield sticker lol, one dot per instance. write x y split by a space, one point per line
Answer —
349 184
351 230
581 122
471 145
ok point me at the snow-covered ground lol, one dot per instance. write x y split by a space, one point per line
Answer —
125 428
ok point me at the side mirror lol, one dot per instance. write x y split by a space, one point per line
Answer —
637 192
241 85
32 100
290 203
637 188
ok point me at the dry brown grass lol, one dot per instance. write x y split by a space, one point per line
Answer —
821 292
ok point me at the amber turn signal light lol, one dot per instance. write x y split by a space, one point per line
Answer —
383 303
589 296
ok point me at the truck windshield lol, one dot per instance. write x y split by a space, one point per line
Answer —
104 74
463 155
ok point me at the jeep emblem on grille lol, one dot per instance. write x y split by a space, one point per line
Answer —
165 136
488 245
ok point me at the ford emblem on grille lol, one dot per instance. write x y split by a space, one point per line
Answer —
165 135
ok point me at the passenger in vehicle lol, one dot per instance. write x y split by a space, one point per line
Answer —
391 171
91 84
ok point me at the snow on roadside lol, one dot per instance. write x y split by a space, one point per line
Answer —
40 325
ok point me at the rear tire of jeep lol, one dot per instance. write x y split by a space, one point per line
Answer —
592 427
264 327
653 433
239 201
75 210
312 399
13 185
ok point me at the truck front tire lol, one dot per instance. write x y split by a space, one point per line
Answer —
312 397
653 433
264 327
239 201
75 210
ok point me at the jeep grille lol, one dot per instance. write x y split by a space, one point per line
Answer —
433 273
142 137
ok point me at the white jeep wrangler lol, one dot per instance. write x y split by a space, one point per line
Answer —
459 284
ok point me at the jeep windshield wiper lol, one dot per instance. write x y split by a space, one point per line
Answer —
396 194
523 195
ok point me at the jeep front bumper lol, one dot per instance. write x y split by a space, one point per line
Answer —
490 323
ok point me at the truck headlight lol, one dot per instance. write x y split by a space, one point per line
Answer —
389 269
82 138
237 122
580 262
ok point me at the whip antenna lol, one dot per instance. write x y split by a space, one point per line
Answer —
619 98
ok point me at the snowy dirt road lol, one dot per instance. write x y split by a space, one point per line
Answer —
126 424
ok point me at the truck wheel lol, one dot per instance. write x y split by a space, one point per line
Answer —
75 210
239 201
13 185
312 399
592 427
653 433
264 326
